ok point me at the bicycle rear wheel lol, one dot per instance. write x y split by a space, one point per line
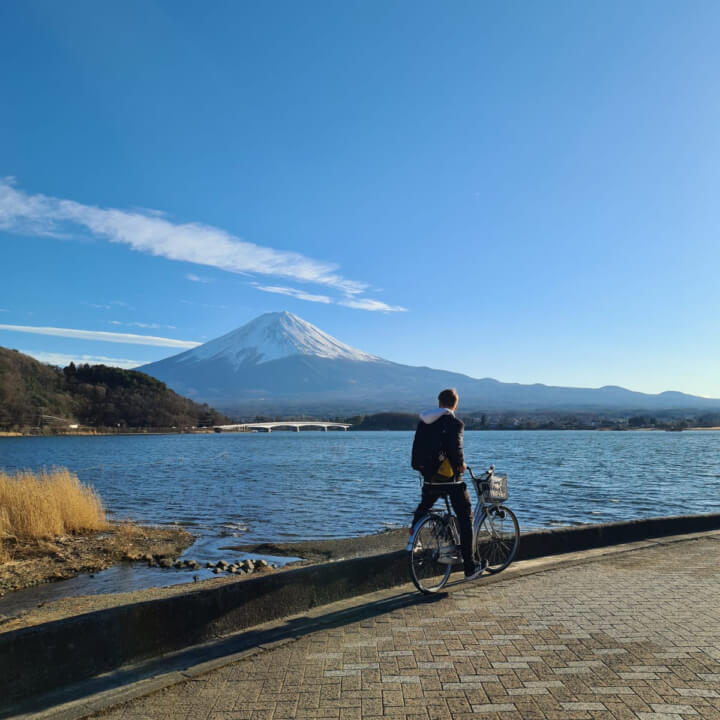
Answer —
498 538
430 538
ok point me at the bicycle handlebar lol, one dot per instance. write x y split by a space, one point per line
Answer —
488 472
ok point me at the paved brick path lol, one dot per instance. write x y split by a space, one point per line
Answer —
634 635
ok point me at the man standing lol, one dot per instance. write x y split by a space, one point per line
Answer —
437 453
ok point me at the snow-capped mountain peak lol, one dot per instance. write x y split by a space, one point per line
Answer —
274 336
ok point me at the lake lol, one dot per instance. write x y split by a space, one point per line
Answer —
287 485
261 487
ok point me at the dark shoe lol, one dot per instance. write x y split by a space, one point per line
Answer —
479 570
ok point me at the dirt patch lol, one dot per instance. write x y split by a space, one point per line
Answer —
43 561
315 551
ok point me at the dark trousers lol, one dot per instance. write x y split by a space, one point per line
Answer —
460 501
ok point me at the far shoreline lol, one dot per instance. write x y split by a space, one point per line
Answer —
154 433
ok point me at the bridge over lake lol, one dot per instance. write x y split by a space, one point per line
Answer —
290 424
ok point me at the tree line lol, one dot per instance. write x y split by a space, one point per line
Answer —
34 395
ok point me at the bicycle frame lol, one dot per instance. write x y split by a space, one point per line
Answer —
480 512
434 543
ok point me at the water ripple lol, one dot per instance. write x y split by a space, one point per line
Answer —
287 485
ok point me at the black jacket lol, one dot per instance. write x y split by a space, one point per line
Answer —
443 437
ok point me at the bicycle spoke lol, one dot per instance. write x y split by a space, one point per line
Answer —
428 573
497 538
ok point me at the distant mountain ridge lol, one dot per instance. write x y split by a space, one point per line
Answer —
279 363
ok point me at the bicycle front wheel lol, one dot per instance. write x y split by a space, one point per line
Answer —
498 538
426 570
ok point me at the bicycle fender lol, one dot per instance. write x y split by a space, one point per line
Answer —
414 531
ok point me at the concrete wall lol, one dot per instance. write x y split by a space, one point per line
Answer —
42 658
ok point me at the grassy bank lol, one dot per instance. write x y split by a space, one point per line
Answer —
45 505
52 527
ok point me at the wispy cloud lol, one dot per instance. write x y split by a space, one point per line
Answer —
197 278
151 326
372 305
101 306
152 233
4 310
293 292
62 360
207 306
127 338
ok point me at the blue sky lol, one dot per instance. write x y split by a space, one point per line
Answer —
519 190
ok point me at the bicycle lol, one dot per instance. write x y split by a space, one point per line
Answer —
434 544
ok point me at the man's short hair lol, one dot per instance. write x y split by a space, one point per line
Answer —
448 398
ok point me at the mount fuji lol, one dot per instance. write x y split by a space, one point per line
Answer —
279 363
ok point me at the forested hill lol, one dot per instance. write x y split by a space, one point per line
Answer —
33 394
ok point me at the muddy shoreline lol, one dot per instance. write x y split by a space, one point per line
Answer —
169 543
318 551
44 561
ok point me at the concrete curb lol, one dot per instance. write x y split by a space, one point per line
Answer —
540 543
41 659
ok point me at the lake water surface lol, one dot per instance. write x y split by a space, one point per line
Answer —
287 485
258 487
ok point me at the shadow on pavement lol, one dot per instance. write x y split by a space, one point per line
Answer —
173 668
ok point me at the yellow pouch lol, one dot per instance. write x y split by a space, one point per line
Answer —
445 469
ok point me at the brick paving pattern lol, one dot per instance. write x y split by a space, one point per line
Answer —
635 635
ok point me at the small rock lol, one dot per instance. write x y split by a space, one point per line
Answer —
194 565
249 565
217 570
261 563
232 568
209 565
178 564
165 563
222 564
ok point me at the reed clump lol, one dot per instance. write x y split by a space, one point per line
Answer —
44 505
5 534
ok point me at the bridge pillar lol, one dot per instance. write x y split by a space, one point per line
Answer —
325 428
297 428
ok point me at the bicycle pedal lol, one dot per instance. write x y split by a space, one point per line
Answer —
448 557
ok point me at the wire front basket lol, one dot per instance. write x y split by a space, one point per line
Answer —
494 489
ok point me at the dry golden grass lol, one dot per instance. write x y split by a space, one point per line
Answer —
43 505
4 534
